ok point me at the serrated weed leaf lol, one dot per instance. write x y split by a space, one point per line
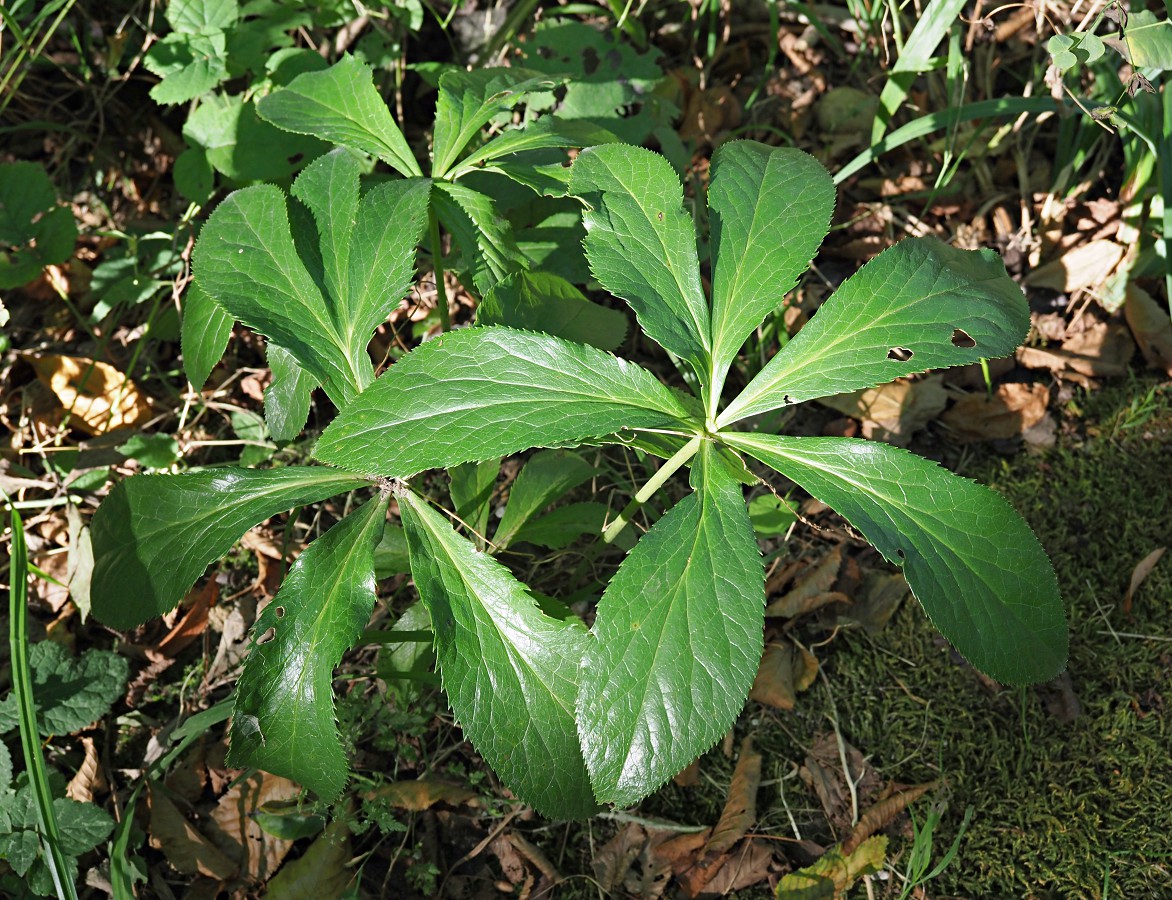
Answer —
676 641
154 535
969 558
342 106
919 305
484 236
283 720
509 670
546 477
542 301
769 209
549 131
206 329
288 395
641 245
468 100
70 692
486 392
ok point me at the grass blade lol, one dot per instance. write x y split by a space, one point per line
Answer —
22 688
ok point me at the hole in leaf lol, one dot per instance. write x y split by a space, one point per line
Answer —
280 611
900 554
960 338
267 636
900 354
590 61
295 159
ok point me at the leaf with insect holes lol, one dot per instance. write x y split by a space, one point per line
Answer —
676 641
341 105
969 558
480 393
283 721
509 670
919 305
154 535
316 275
770 209
641 244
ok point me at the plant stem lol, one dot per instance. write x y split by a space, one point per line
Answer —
645 493
437 265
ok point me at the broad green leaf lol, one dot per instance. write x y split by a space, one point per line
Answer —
547 476
1148 40
510 671
206 329
287 397
341 105
188 64
484 236
540 301
468 100
472 484
283 721
548 131
83 825
480 393
564 525
641 245
154 535
329 189
34 230
246 259
676 641
194 16
919 305
71 693
769 208
969 558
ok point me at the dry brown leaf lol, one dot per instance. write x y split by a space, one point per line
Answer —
785 671
893 412
1084 267
877 599
740 806
322 871
234 830
424 793
613 861
1150 326
185 848
1142 570
1012 409
823 771
689 776
98 397
749 864
813 582
1102 350
81 785
881 814
194 621
512 865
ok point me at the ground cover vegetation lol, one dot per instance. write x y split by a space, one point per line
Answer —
411 473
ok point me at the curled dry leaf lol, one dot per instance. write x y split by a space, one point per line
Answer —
1151 327
81 786
422 794
813 583
785 671
235 831
1101 351
740 807
1142 570
98 397
894 412
1087 266
1012 409
883 812
186 849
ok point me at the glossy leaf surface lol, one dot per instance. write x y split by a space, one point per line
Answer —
341 105
969 558
641 244
154 535
484 236
283 720
479 393
676 641
509 670
769 208
287 396
540 301
919 305
548 131
547 476
206 329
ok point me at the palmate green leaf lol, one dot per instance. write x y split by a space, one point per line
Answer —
188 64
484 236
283 721
340 105
287 397
969 558
919 305
542 301
676 641
770 208
468 100
547 476
509 670
641 245
154 535
206 329
319 283
480 393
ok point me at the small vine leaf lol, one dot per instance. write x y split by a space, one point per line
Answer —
284 720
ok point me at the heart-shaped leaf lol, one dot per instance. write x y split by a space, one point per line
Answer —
919 305
969 558
283 720
154 535
676 641
509 670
